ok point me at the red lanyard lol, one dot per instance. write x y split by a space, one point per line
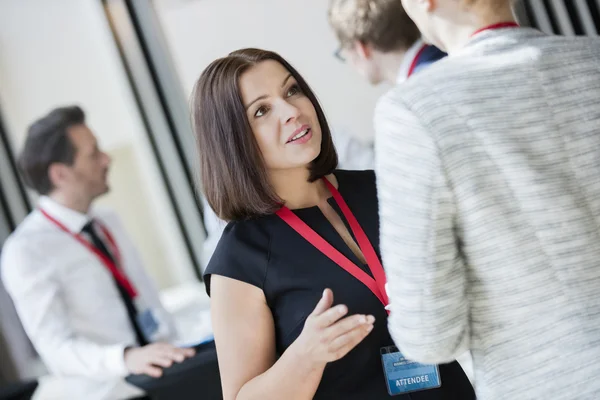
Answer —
116 272
415 61
496 26
376 285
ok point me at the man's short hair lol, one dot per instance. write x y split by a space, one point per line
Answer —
381 23
48 142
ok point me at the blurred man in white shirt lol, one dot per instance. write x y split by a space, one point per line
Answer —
76 280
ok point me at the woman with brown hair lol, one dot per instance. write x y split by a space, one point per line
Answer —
300 232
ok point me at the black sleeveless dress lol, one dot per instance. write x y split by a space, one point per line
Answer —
270 255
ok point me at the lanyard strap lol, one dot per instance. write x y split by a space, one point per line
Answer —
363 241
375 284
415 62
108 263
496 26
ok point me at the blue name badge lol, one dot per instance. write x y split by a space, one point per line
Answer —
148 324
403 376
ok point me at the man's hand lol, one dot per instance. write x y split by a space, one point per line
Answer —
152 358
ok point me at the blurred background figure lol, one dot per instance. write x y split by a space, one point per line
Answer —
379 40
488 172
76 280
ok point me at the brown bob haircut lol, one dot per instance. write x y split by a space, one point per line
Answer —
234 177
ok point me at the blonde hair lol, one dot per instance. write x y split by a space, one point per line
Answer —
381 23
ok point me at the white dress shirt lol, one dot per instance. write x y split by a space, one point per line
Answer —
69 304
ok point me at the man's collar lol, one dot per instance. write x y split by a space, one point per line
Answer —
407 61
71 219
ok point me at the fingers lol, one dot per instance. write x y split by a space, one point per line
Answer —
331 315
348 324
152 371
162 361
346 342
176 357
163 355
179 353
187 352
323 304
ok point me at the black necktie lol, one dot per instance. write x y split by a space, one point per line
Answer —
132 312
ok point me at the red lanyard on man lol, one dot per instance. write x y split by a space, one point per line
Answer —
376 283
117 273
415 61
500 25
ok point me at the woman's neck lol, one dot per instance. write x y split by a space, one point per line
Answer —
293 187
456 36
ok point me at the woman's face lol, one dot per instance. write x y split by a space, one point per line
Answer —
283 119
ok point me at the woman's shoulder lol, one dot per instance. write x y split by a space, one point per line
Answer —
242 252
248 238
246 230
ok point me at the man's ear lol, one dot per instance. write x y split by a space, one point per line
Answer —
57 173
363 50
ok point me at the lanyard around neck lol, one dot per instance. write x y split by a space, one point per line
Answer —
415 61
376 283
117 273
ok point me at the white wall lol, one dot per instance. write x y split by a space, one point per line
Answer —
199 31
62 52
